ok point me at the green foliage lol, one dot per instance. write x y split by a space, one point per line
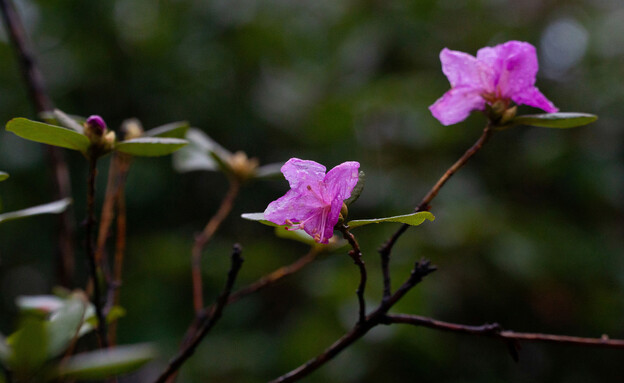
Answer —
48 134
555 120
150 146
357 190
198 154
172 130
413 219
48 208
102 364
3 176
29 347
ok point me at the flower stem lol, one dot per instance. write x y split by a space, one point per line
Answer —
93 266
202 239
356 254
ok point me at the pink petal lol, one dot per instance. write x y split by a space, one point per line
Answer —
295 206
533 97
456 104
302 172
515 65
462 69
320 225
340 181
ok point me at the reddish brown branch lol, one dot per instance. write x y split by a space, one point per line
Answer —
375 318
202 239
41 102
386 249
187 352
356 254
495 331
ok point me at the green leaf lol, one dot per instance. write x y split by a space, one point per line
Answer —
196 155
357 190
70 122
48 208
172 130
29 345
269 170
5 351
413 219
258 217
103 364
48 134
64 324
555 120
150 146
3 175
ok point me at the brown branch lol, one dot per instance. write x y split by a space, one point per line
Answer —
202 239
92 265
495 331
41 102
421 269
356 254
424 205
222 301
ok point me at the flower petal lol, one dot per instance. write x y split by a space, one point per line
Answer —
294 206
340 181
462 69
533 97
302 172
456 104
515 65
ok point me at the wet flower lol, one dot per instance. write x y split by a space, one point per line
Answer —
314 200
497 76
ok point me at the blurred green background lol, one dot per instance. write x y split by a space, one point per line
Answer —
529 234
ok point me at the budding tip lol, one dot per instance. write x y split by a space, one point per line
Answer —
96 122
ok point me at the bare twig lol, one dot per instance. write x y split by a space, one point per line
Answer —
421 269
202 239
424 205
93 266
495 331
41 102
222 301
356 254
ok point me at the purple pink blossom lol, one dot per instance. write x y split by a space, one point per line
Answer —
314 200
503 73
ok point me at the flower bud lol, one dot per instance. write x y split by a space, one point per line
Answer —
131 128
242 166
508 115
95 127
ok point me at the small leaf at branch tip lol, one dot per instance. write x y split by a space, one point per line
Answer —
413 219
555 120
48 208
150 146
3 176
48 134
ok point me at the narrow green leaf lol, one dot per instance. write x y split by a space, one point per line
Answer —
413 219
103 364
296 235
5 351
48 134
269 170
48 208
172 130
555 120
357 190
3 175
29 345
258 217
68 121
196 155
64 324
150 146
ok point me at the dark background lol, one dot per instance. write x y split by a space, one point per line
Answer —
529 234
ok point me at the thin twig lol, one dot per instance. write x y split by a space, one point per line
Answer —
41 102
356 254
222 301
93 267
421 269
495 331
424 205
202 239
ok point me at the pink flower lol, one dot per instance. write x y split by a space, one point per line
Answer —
504 73
314 200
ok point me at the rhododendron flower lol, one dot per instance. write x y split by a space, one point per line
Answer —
314 200
502 73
